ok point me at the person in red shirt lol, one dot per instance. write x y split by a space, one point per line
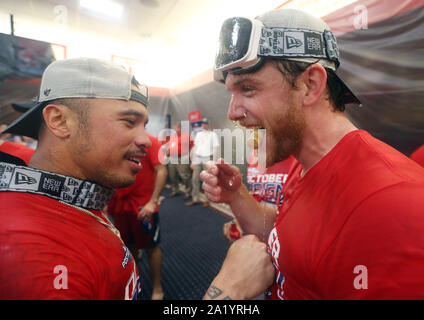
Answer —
178 153
351 223
56 241
135 212
16 149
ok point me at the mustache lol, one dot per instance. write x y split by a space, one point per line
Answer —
136 153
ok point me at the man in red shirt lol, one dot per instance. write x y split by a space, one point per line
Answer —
351 224
135 212
56 242
178 152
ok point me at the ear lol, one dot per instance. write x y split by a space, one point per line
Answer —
315 80
57 119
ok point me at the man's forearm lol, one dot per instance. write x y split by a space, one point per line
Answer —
215 293
254 217
161 174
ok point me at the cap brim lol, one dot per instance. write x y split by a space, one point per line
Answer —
27 124
24 106
349 96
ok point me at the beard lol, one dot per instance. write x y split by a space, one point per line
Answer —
83 149
286 135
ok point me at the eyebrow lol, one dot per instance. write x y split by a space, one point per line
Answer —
242 79
131 113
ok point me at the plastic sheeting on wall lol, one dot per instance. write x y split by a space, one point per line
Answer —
384 65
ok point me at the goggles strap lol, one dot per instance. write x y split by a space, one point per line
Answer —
284 42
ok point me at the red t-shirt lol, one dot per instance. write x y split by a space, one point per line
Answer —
50 250
352 227
129 199
418 156
18 150
265 184
180 145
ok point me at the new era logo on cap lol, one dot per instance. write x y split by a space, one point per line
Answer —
21 178
292 42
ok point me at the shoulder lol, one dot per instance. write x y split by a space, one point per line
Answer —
383 238
372 166
418 155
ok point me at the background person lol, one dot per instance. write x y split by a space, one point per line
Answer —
264 184
135 212
178 152
206 147
18 150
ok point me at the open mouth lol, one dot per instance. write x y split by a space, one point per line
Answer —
135 157
248 125
135 160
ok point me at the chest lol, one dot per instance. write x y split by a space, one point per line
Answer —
307 223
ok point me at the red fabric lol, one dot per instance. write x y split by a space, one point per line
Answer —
39 236
18 150
129 199
265 184
132 230
361 205
180 145
418 156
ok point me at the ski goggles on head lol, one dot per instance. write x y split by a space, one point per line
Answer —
243 42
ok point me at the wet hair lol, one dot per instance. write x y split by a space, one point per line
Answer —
292 69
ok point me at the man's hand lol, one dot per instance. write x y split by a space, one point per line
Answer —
247 271
227 230
147 211
220 181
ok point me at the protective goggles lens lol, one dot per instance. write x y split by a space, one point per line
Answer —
243 41
237 46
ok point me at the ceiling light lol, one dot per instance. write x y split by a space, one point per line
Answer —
104 7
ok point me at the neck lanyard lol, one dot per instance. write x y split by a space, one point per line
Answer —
80 193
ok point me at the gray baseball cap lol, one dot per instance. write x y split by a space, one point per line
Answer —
287 34
297 24
77 78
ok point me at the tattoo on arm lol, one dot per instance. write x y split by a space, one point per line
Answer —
214 292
